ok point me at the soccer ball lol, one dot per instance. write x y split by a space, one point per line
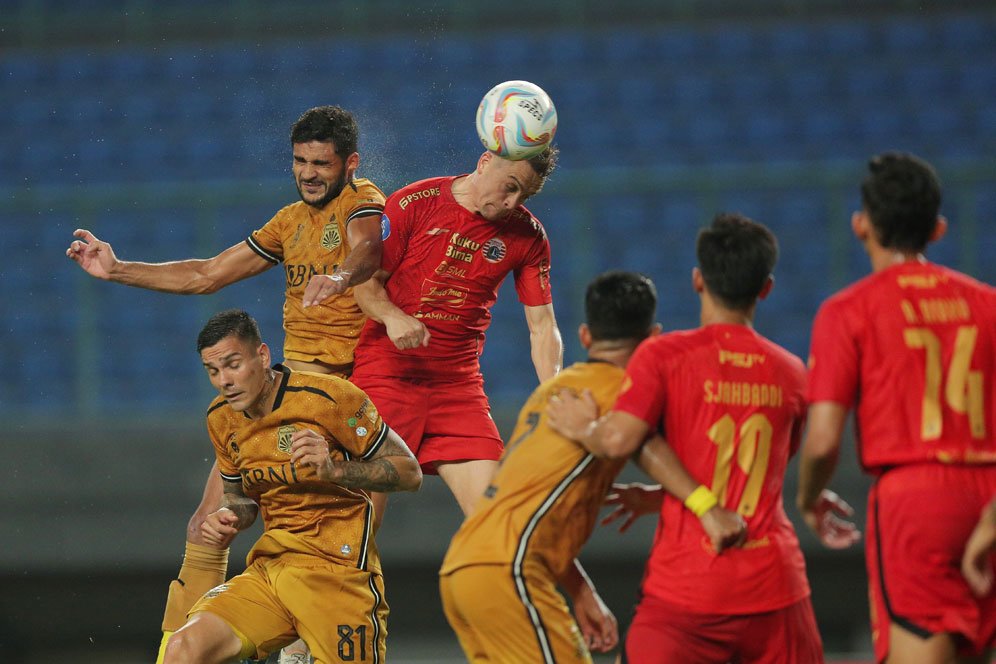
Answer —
516 120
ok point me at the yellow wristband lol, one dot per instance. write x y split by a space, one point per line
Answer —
701 501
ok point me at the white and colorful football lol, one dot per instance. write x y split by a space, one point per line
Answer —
516 120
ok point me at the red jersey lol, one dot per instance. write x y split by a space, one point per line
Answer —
446 265
914 348
731 404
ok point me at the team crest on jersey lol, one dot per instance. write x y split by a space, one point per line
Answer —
284 434
330 235
385 227
494 250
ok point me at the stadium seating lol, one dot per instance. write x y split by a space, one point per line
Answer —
648 98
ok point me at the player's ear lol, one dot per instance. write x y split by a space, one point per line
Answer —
940 229
352 163
584 335
860 224
485 159
264 354
698 282
655 329
769 283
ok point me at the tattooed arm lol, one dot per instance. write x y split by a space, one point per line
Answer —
392 468
237 512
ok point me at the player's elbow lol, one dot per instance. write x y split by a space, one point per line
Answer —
410 477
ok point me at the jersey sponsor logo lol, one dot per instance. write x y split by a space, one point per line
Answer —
298 275
385 227
445 268
435 315
330 235
259 479
417 195
462 248
366 408
741 360
284 434
920 280
441 294
494 250
361 431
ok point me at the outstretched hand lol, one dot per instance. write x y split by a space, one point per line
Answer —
323 286
92 254
829 520
571 415
977 561
632 501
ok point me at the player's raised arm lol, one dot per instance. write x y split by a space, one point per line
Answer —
545 344
404 330
391 468
365 248
191 276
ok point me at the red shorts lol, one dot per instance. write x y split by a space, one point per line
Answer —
663 633
919 518
440 420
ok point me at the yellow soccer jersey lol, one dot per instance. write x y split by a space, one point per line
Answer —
302 514
310 241
545 497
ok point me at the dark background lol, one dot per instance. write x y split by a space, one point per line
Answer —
163 128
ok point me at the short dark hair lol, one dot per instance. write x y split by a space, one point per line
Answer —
227 323
545 161
902 196
736 256
328 124
620 305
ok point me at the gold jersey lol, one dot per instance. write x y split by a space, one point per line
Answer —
546 494
312 241
303 515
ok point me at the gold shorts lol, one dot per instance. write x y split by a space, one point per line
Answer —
339 611
503 619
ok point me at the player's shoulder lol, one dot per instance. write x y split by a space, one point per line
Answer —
783 356
421 192
291 211
362 191
323 385
526 222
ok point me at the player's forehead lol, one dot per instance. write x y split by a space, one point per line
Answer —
315 151
523 174
228 349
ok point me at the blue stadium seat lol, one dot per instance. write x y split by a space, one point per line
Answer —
848 40
910 36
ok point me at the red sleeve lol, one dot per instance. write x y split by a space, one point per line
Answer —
532 277
644 389
396 227
833 358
